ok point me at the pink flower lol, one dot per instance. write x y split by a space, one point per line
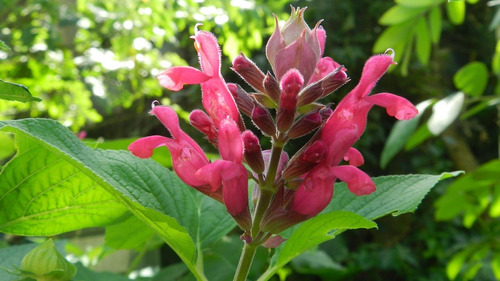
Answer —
187 155
230 173
217 100
295 45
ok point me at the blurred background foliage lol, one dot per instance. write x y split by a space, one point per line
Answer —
93 63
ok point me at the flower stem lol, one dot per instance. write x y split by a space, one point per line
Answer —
246 259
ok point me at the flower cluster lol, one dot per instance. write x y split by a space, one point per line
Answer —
288 190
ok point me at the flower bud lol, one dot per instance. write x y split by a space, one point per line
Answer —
252 152
46 263
290 84
244 101
204 124
265 100
305 160
263 120
272 87
323 87
249 72
305 125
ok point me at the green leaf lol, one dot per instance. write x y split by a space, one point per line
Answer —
394 195
15 92
42 194
420 3
148 190
118 235
423 44
4 46
400 134
445 112
418 137
394 35
83 273
472 78
456 262
456 12
319 229
398 14
7 147
316 262
435 24
495 265
470 193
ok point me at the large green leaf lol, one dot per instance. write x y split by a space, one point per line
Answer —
15 92
319 229
184 219
394 195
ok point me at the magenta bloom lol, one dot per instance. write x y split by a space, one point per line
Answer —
283 105
217 100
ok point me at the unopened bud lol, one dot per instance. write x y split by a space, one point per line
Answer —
243 100
305 160
325 113
46 263
204 124
290 84
253 152
323 87
272 87
263 120
249 72
265 100
305 125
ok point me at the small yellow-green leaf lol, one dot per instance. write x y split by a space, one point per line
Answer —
435 24
456 12
419 3
398 14
423 44
472 78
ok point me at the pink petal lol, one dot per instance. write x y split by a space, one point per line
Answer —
175 77
354 157
144 147
208 52
396 106
297 55
235 189
274 44
374 68
357 181
211 173
230 142
321 33
218 101
170 120
314 193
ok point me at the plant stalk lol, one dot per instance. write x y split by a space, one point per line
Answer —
245 262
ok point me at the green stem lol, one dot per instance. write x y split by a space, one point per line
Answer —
245 262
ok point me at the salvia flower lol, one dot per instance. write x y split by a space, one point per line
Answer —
282 105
